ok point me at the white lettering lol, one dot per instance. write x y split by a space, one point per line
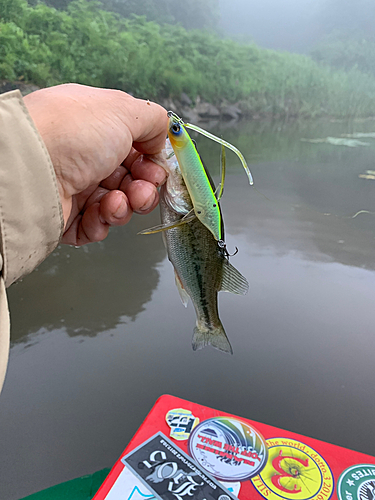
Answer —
154 455
167 470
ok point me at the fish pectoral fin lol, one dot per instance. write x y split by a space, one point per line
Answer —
181 290
164 227
233 281
155 229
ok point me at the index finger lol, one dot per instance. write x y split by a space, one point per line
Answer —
148 125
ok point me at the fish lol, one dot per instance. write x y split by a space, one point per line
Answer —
201 266
204 196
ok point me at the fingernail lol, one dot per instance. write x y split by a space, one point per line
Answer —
122 210
149 203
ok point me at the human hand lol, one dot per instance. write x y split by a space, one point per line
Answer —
96 139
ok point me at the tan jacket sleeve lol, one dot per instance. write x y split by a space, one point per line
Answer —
31 220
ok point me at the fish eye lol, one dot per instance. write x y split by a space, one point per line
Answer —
214 205
176 128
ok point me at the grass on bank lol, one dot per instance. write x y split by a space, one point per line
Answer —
88 45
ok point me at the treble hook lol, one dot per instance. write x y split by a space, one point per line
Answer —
223 247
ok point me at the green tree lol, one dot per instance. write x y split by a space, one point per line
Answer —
11 10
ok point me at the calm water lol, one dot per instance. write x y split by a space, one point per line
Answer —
99 333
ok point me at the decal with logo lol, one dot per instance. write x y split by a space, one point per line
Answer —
357 483
170 474
229 449
181 422
294 471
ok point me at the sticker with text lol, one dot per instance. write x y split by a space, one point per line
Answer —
357 483
294 471
227 448
170 474
181 422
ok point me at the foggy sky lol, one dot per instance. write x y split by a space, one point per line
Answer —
277 24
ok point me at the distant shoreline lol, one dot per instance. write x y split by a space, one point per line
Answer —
202 111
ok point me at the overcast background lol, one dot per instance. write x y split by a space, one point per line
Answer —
296 25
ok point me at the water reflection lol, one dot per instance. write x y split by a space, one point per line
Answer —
287 223
306 199
90 289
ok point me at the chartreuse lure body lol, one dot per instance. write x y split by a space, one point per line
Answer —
201 189
205 203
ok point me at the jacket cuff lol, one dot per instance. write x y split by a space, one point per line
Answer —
31 219
4 332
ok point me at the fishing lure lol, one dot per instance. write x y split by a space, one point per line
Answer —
205 203
201 189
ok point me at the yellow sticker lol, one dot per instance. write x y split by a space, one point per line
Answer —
181 422
294 471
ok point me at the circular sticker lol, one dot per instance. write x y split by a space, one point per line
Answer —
294 471
357 483
227 448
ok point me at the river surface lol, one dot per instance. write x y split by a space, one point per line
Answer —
99 332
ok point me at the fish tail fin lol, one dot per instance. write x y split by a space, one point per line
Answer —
214 336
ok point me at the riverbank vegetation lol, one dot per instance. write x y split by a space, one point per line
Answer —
90 45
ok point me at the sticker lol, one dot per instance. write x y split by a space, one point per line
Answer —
170 474
233 487
294 471
228 449
181 422
357 483
128 487
136 494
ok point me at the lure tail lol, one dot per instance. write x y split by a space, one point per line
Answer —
213 137
203 336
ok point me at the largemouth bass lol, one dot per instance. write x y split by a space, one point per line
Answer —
201 266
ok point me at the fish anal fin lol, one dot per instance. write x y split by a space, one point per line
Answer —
233 281
181 290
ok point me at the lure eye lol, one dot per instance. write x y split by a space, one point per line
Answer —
176 128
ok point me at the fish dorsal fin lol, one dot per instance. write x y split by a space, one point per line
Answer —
233 281
181 290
